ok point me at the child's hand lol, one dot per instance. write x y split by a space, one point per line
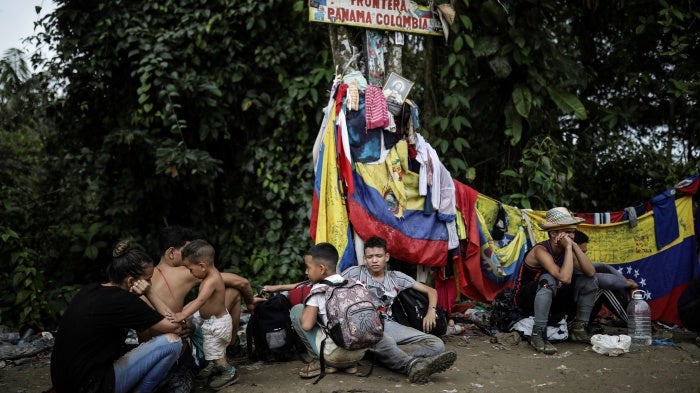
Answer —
140 287
174 318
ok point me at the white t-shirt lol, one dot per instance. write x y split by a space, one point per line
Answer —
319 299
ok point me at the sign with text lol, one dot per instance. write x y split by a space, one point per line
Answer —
397 15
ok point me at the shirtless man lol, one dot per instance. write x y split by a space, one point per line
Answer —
172 281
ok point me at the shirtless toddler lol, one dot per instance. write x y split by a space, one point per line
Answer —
198 257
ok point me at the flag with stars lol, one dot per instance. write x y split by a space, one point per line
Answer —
661 273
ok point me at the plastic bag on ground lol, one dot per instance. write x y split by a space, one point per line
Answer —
605 344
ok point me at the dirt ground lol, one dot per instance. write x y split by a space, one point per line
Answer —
481 366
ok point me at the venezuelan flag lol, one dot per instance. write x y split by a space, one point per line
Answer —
662 273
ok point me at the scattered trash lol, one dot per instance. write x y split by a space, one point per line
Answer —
478 314
31 346
510 339
454 328
605 344
9 337
658 341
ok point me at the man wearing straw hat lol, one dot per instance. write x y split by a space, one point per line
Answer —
544 285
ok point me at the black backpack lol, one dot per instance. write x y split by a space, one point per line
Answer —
504 313
409 309
270 335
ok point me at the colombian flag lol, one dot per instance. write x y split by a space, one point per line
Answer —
385 202
379 199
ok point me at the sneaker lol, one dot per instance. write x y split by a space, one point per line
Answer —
418 371
421 369
578 333
226 378
539 341
207 371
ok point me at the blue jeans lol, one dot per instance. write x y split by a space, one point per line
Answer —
308 337
141 369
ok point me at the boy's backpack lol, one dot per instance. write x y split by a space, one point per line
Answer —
354 321
409 309
269 333
504 313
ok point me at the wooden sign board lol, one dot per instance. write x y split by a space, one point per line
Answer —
396 15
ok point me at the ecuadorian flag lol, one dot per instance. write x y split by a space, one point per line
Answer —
329 217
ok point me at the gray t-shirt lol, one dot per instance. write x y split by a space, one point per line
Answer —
384 291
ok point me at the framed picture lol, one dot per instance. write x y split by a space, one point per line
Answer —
397 88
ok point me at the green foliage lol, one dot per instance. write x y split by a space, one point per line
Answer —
193 114
543 178
22 281
205 113
525 72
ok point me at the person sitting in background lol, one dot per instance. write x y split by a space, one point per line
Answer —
89 354
689 307
173 282
614 288
211 312
544 283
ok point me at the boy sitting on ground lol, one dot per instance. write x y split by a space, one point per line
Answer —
198 257
320 263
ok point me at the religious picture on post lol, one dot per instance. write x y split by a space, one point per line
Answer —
397 88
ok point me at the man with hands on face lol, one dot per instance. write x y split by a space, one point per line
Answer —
544 284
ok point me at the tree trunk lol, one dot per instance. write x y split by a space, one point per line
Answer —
346 50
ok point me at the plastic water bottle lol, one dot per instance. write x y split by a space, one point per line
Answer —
639 319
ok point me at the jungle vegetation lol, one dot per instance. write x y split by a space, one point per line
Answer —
204 114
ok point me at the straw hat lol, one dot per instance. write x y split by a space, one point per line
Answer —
559 217
448 12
